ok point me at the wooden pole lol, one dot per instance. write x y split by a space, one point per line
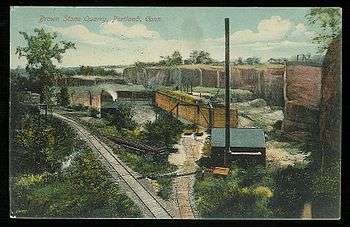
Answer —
227 88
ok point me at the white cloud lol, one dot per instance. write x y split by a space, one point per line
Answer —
116 28
272 29
82 34
115 43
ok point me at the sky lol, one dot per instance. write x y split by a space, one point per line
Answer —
123 35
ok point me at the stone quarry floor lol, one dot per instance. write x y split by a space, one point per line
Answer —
256 113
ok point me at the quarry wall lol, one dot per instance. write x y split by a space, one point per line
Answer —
302 95
265 83
330 106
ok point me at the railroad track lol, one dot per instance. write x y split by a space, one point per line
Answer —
150 202
140 147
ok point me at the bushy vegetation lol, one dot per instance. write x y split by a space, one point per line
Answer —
244 193
326 183
327 25
79 107
171 60
137 162
94 112
41 50
82 190
255 192
143 165
292 190
199 57
165 188
164 131
96 71
122 116
35 147
175 59
64 96
180 96
41 185
87 70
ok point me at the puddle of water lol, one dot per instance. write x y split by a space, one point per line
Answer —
68 161
143 114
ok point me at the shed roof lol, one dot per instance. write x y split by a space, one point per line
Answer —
240 137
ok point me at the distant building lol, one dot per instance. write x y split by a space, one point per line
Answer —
246 145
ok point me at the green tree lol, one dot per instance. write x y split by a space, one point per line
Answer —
252 60
164 131
174 59
42 48
86 70
122 117
327 24
199 57
64 96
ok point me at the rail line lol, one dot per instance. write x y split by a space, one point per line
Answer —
149 201
140 147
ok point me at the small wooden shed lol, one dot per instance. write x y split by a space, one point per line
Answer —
246 145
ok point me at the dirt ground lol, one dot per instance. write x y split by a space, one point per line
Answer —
280 156
189 151
257 114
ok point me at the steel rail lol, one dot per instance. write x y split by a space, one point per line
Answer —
150 202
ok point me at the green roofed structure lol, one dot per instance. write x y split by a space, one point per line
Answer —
246 144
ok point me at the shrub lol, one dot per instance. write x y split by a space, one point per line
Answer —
165 189
164 131
79 107
144 166
244 193
122 116
34 147
84 191
263 192
291 191
64 96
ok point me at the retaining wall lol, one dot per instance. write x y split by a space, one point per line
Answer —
197 114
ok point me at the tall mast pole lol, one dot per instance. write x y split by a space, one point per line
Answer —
227 88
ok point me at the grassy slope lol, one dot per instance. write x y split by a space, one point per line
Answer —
83 189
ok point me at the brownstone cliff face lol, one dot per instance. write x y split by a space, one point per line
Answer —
273 86
263 83
330 108
302 100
